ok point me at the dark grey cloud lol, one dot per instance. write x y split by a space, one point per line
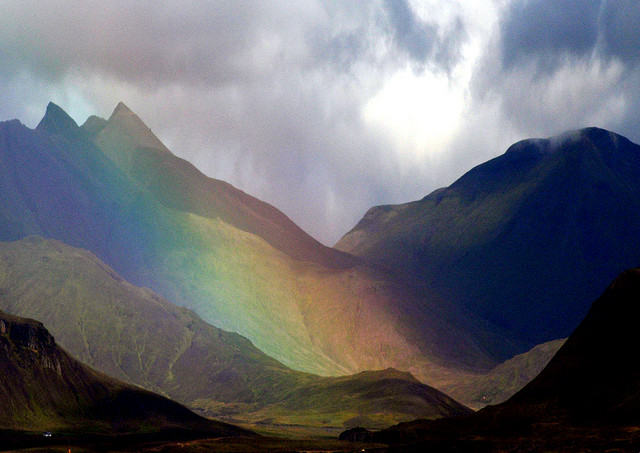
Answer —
549 28
563 65
152 42
549 31
424 42
620 28
416 37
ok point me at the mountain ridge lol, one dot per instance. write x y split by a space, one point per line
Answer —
153 165
56 121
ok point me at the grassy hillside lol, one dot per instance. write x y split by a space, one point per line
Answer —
135 335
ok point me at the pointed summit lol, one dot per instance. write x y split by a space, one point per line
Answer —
57 121
122 109
125 122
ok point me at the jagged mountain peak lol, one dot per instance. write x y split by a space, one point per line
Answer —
93 126
128 141
122 109
57 121
123 121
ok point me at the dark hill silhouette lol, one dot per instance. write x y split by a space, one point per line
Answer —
594 377
587 397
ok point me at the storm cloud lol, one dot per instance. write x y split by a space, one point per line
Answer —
325 108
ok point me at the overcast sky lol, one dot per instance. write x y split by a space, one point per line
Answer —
326 108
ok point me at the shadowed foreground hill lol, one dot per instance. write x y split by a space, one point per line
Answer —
588 396
133 334
43 388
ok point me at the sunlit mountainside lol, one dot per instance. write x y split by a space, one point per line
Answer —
135 335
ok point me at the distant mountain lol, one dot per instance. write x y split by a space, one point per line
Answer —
369 398
112 188
524 240
133 334
501 383
588 396
43 388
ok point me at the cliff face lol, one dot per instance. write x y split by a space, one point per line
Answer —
34 374
33 336
30 334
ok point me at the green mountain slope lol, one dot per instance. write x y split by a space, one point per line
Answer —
42 387
524 240
135 335
502 382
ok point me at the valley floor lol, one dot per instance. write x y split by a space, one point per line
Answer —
171 442
547 439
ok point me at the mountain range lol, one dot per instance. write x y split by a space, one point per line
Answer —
155 274
112 188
